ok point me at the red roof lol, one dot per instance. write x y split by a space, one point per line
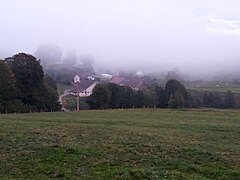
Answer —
117 80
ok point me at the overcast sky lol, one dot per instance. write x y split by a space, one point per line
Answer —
159 34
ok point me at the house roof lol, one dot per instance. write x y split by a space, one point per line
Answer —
135 83
117 80
83 86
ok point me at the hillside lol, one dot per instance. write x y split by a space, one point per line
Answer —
121 144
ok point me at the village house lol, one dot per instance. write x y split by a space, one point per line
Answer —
84 88
136 84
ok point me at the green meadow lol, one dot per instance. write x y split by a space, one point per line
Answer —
121 144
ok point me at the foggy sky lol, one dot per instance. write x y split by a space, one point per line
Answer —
191 35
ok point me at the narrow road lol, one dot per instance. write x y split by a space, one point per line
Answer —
66 92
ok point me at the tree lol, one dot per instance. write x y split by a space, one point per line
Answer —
176 100
8 90
217 100
100 97
172 87
229 100
213 100
195 102
151 96
29 78
162 101
121 96
48 81
29 81
51 95
141 99
127 97
173 75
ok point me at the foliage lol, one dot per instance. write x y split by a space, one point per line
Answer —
32 91
176 100
172 86
112 96
151 96
100 98
141 99
229 100
125 97
50 82
161 97
8 90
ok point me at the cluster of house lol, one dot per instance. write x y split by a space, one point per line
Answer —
84 86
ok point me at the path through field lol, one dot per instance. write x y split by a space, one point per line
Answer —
66 92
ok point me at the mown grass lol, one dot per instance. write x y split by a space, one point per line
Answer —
121 144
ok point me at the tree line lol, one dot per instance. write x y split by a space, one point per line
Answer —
24 87
173 95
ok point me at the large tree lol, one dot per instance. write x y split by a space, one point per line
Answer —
176 100
173 86
29 81
100 98
8 90
162 101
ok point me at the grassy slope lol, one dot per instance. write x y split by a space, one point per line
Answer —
130 144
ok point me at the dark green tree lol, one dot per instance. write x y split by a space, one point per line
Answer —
196 101
141 99
127 97
212 100
30 84
229 100
172 87
115 99
48 81
100 97
121 97
217 100
8 90
151 96
162 101
176 101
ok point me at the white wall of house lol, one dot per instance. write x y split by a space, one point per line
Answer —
87 92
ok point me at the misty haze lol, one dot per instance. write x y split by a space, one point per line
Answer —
200 37
120 89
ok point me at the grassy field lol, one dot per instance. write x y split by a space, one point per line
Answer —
211 87
121 144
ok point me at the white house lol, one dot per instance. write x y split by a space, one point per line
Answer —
85 88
